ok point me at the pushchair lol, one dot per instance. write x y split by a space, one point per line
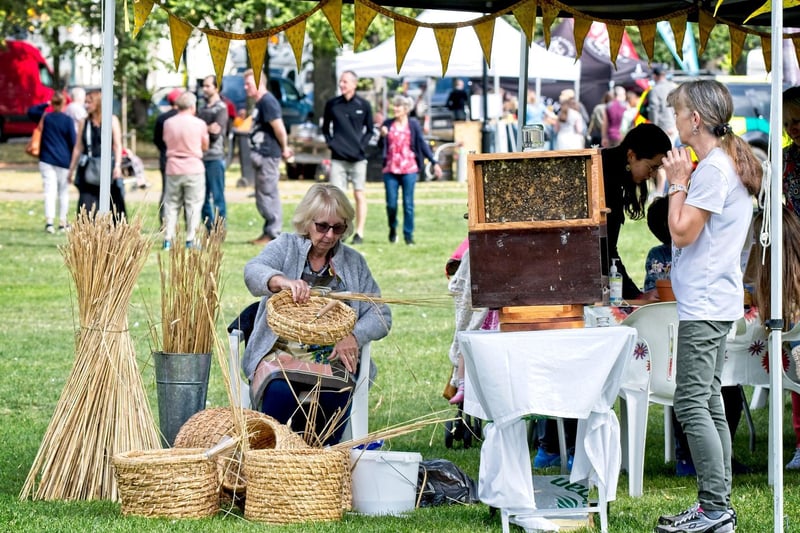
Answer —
132 168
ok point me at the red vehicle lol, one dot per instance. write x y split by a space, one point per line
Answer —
25 80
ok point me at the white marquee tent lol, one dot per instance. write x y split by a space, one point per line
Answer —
423 59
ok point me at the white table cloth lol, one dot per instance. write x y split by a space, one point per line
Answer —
571 373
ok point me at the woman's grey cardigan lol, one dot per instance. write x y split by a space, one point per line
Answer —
287 255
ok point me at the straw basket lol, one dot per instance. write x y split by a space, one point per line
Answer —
208 427
300 322
173 483
291 486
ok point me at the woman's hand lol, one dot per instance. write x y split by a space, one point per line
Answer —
346 351
677 166
437 170
301 291
384 131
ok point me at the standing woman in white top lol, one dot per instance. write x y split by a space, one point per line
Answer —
709 215
570 127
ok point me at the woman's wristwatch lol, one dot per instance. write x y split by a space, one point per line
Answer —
676 187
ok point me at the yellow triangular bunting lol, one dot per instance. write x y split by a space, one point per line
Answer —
579 33
257 50
141 10
525 14
549 14
333 12
403 36
737 43
296 36
615 33
179 35
218 46
485 33
648 36
364 16
706 23
678 25
766 8
716 7
766 49
444 40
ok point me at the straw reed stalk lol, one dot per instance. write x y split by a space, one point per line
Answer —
190 293
103 408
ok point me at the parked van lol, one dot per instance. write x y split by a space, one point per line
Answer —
25 80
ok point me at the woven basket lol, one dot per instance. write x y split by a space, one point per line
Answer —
291 486
300 323
205 428
173 483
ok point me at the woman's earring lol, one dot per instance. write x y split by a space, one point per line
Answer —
627 167
695 130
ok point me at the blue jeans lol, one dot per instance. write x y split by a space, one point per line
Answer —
215 192
279 402
392 182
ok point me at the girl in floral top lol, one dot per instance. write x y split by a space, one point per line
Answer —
404 152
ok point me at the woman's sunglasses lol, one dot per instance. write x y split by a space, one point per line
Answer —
323 227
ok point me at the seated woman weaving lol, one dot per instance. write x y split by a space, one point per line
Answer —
315 255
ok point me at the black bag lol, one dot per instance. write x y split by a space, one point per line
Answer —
442 482
90 167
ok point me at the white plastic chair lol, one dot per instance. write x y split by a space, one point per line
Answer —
649 377
358 423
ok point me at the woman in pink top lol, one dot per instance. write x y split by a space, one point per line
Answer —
186 138
404 152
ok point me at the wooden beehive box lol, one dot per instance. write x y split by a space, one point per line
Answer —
536 220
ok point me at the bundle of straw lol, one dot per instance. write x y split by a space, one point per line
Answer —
103 409
190 293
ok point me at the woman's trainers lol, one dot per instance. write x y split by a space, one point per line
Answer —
695 520
458 397
794 464
49 228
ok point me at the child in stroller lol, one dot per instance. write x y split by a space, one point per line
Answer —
466 319
133 170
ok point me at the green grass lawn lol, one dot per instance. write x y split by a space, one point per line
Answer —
37 342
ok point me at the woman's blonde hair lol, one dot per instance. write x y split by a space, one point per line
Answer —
713 102
790 269
321 201
401 100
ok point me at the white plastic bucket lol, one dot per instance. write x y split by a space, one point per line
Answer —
384 482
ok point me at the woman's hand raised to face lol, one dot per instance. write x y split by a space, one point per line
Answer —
677 166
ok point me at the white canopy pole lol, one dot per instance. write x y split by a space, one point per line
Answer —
522 87
107 103
775 466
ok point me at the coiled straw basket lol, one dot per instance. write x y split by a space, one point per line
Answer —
291 486
172 483
207 427
301 323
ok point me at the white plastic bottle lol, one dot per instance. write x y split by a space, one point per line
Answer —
614 284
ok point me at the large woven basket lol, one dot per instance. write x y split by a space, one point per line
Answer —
173 483
300 323
291 486
205 428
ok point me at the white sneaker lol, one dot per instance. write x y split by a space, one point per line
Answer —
794 464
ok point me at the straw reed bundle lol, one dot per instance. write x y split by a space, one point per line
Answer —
190 293
103 408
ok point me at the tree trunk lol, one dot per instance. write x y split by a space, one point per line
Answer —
325 82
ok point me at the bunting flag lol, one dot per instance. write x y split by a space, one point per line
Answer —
796 43
647 32
579 33
678 25
403 36
444 40
257 50
179 31
485 33
766 8
364 16
737 43
218 46
141 10
615 32
706 23
296 36
525 14
766 49
333 12
549 14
